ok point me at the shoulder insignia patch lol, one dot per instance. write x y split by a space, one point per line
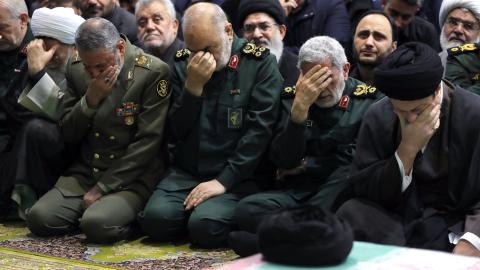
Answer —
255 51
162 88
182 54
76 58
288 92
465 48
476 77
365 91
143 61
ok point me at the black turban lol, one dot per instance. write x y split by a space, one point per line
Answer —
413 71
271 7
304 236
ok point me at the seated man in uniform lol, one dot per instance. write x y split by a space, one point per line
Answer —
463 66
115 108
315 139
416 172
226 98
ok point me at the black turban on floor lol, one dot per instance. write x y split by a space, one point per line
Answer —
413 71
304 236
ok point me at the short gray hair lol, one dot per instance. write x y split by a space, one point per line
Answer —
166 3
96 33
322 48
217 16
16 7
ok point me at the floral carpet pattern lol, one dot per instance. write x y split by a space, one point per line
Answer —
20 250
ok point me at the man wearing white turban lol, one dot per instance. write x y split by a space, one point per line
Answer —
460 23
47 56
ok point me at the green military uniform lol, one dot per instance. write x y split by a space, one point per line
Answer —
120 146
220 135
463 66
325 143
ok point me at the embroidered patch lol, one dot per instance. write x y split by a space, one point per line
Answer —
252 49
162 88
344 101
288 92
143 61
182 54
364 91
234 118
233 62
469 47
476 77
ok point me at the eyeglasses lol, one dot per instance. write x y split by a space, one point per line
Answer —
264 26
467 25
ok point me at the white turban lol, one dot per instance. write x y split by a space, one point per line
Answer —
449 5
59 23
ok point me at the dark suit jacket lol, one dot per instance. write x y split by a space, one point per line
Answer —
318 18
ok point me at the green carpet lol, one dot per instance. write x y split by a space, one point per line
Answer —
20 250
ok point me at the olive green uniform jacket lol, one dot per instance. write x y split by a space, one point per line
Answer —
326 140
223 134
120 141
463 67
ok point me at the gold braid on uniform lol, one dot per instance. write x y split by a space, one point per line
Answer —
288 92
258 52
365 91
465 48
182 54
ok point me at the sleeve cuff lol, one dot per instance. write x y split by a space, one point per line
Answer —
85 109
468 236
406 179
226 178
295 128
37 77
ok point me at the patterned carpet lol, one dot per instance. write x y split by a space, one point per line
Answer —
20 250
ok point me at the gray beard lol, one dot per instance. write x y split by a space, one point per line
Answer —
276 48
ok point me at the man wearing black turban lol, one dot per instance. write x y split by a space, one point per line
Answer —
416 173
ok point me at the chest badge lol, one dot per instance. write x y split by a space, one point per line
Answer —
233 62
128 111
162 88
234 118
344 101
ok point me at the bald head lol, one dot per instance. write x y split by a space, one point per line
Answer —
206 29
204 16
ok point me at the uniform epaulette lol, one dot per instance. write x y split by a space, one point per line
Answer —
143 61
465 48
365 91
258 52
476 77
76 58
182 54
288 92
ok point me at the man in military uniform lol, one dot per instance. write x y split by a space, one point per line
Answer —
226 102
315 141
115 108
157 29
30 147
463 66
263 23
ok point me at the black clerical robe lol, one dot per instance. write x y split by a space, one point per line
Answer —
443 196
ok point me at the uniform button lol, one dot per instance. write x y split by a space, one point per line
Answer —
95 170
96 156
112 137
112 156
97 134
